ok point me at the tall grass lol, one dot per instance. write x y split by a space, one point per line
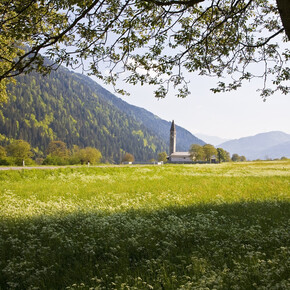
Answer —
223 226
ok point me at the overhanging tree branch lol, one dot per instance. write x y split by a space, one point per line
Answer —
215 38
176 2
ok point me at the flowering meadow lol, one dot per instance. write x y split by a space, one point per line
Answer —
206 226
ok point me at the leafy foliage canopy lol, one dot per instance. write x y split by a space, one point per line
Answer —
154 41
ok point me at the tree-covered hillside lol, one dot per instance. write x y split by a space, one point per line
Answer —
160 127
72 108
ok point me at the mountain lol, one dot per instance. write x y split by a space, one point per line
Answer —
277 151
160 127
214 140
76 110
272 145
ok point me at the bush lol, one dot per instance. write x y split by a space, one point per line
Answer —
4 161
128 158
55 160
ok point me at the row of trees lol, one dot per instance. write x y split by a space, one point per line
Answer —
207 152
19 152
202 153
237 157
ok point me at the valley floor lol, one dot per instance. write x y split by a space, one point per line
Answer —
206 226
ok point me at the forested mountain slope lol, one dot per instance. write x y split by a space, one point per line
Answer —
149 120
74 109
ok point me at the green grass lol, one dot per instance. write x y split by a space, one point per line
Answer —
219 226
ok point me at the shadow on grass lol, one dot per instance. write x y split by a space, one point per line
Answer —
240 245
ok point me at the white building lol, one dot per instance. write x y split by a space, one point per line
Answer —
176 157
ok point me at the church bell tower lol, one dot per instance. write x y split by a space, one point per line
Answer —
172 147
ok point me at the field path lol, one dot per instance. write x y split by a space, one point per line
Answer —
47 167
69 166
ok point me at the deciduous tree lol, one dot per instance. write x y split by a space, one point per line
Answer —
58 149
223 155
236 157
89 154
20 151
196 152
154 41
243 158
162 156
2 152
3 159
128 158
57 153
209 152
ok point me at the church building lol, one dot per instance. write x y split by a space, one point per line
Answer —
176 157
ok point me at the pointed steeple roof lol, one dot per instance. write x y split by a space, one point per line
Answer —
172 126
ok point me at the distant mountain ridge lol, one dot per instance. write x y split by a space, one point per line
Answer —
213 140
73 108
274 144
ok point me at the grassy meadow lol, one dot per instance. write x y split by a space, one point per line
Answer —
207 226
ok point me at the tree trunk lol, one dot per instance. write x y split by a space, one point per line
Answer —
284 10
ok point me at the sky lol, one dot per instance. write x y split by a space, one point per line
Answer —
230 115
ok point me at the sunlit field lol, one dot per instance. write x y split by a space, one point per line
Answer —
210 226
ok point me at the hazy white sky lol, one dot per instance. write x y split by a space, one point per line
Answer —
228 115
231 115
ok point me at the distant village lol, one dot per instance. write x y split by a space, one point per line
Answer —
196 154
